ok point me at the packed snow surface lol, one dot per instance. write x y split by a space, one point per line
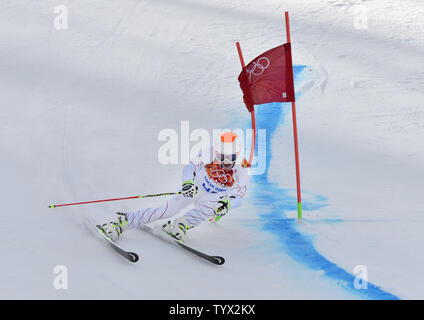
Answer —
82 109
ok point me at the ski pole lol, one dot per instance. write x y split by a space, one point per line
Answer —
115 199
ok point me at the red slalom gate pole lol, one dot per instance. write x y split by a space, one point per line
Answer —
252 113
113 199
296 147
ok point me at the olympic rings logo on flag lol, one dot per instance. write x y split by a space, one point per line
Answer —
258 67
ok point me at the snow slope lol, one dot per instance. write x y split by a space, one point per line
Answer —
361 133
82 109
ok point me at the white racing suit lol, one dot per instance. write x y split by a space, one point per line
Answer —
213 185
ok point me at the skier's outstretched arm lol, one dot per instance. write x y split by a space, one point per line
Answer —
235 195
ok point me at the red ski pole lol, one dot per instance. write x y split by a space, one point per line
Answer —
114 199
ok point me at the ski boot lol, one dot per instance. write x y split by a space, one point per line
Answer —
177 229
114 229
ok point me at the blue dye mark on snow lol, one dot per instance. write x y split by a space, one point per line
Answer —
273 202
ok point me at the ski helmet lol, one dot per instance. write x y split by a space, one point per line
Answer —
227 149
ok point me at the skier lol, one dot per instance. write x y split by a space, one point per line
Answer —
213 186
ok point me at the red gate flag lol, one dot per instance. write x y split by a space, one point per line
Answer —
268 78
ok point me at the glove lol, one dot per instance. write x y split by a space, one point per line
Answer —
223 207
189 190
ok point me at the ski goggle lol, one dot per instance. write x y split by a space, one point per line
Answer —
230 158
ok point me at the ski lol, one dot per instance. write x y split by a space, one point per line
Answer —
128 255
218 260
214 259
